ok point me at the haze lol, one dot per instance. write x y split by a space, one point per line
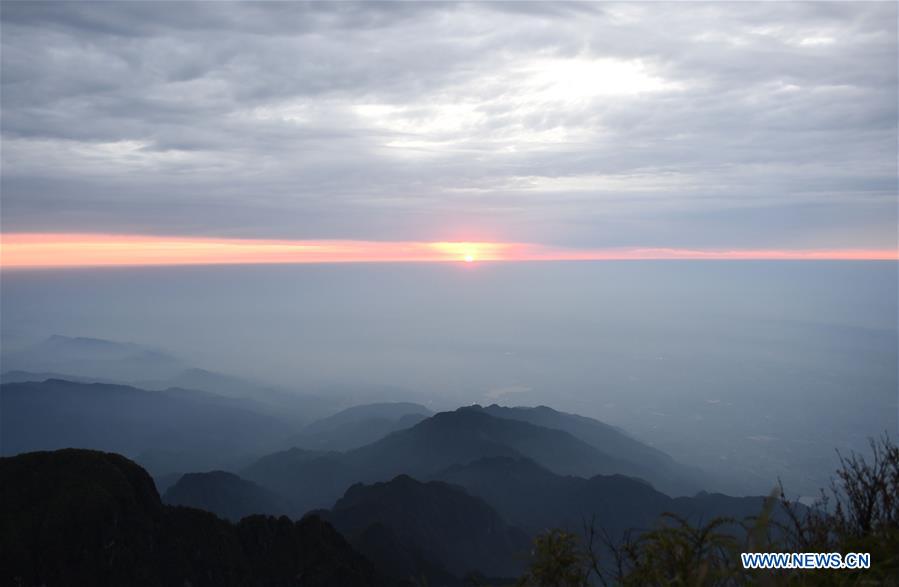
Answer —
756 369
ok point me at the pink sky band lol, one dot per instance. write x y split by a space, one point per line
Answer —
31 250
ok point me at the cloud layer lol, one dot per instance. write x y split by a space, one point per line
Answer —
723 125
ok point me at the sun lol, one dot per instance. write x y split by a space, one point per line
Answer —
469 258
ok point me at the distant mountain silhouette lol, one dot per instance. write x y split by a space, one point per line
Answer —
77 517
468 434
359 425
26 376
315 480
198 429
644 461
93 357
415 529
535 477
94 360
534 498
224 494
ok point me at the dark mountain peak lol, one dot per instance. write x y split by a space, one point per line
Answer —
72 471
82 517
72 500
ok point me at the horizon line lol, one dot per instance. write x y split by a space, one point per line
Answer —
72 250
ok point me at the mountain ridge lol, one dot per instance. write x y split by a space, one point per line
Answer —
57 414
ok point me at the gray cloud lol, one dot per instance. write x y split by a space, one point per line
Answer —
663 124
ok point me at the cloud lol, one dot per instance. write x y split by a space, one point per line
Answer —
664 125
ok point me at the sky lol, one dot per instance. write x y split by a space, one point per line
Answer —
542 130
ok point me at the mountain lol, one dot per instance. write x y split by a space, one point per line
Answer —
644 461
467 434
95 360
315 480
224 494
93 357
79 517
431 528
533 498
359 425
26 376
197 430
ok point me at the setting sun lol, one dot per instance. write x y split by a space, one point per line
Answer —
96 250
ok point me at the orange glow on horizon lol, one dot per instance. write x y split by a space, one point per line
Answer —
33 250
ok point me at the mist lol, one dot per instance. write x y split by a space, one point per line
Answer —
751 369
